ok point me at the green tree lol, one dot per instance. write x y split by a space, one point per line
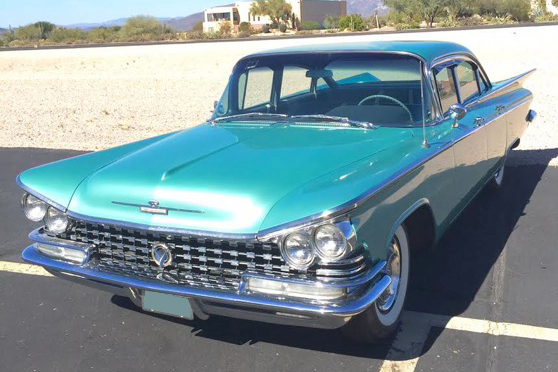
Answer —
45 27
331 22
428 9
277 10
352 22
60 34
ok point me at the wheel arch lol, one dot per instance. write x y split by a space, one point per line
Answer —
419 224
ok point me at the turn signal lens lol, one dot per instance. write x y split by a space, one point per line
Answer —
283 289
33 208
62 253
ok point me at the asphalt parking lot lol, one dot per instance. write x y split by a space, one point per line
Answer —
485 300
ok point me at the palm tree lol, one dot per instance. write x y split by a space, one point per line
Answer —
276 10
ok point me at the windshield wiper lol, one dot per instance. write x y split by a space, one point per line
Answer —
336 119
249 115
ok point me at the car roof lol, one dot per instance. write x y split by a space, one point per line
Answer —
427 50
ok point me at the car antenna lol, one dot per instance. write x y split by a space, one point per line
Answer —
424 141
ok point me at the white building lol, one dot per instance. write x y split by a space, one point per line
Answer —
303 10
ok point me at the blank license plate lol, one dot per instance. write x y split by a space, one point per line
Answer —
167 304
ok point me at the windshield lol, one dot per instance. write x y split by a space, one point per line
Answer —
372 88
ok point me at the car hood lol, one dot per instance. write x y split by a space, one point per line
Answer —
222 178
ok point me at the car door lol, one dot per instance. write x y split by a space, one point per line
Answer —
469 138
482 113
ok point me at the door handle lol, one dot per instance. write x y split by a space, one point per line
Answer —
478 121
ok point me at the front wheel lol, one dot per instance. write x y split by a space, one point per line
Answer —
381 319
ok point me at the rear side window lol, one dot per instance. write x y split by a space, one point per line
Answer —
294 81
466 74
446 88
254 87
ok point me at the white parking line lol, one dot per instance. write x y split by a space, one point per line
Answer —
407 347
20 268
409 342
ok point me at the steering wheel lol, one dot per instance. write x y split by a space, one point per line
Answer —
398 102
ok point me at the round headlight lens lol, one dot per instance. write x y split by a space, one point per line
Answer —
330 242
298 251
33 208
56 221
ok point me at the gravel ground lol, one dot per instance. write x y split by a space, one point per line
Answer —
94 98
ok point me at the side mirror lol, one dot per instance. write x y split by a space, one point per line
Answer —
457 112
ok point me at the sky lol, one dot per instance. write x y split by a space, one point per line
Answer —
65 12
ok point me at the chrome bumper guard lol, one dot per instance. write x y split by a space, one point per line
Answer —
365 291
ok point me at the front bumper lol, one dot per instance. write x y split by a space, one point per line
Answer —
240 304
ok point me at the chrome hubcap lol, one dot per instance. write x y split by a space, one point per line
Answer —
387 299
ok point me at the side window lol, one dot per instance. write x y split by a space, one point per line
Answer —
467 77
254 87
446 88
294 81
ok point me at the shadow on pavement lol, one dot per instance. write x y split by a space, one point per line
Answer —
446 280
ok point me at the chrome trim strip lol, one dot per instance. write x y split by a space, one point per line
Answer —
38 237
162 208
39 196
349 307
353 203
298 223
357 281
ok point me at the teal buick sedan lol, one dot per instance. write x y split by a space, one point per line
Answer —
300 200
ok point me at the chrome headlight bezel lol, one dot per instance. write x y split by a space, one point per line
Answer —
56 221
342 224
24 203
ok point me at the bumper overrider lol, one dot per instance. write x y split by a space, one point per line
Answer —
77 261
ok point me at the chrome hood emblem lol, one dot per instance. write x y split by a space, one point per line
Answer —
161 254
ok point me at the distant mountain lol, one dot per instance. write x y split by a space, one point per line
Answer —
366 8
2 30
184 23
113 22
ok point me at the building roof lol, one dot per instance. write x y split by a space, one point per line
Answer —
428 50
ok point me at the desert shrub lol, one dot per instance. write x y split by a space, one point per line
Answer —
141 28
60 35
475 20
555 2
283 27
407 26
310 25
28 33
104 34
244 34
225 28
353 22
305 32
331 21
266 29
547 17
17 43
198 26
195 35
245 27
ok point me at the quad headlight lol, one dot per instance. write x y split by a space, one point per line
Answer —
330 242
298 250
326 242
56 221
34 208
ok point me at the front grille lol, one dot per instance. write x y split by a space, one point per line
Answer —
197 262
